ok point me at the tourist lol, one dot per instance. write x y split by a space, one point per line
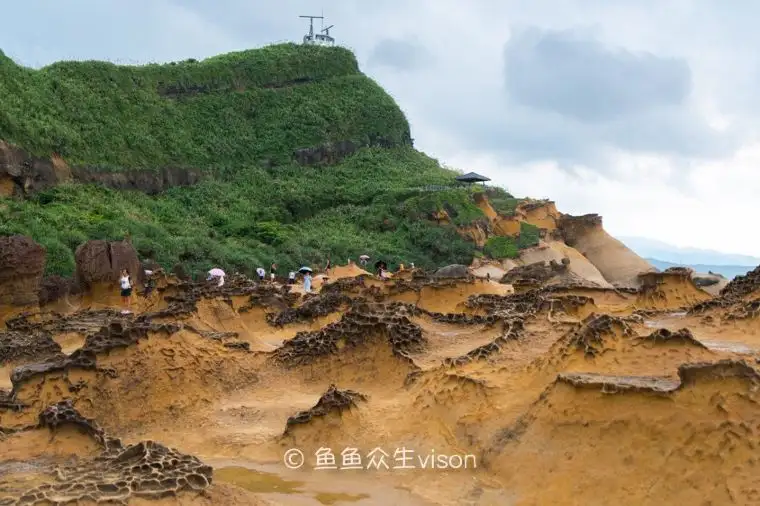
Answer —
328 266
307 282
217 275
125 282
292 278
272 271
150 283
261 273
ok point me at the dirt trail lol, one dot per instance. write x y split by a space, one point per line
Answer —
447 392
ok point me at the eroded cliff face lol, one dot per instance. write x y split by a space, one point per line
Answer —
334 152
542 214
618 264
590 256
22 174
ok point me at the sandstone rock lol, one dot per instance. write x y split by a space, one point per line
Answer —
452 271
102 261
22 262
53 288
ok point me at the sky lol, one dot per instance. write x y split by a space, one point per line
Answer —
643 111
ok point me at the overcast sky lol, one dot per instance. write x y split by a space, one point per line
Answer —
643 111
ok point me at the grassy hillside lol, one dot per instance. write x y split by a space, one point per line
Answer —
238 118
225 112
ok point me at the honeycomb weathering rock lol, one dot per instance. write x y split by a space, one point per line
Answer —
744 310
512 331
733 294
146 469
359 325
589 337
332 401
102 262
185 296
313 306
117 334
16 346
526 303
63 413
85 321
22 262
743 285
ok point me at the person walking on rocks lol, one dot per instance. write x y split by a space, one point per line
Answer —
292 278
328 266
261 272
272 271
307 282
125 283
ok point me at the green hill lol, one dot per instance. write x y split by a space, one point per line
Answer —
301 155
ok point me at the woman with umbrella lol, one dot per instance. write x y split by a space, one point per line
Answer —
380 268
216 274
306 271
363 259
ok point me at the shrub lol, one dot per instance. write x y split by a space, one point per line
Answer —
529 235
500 247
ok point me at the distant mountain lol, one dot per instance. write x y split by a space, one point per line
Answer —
664 252
729 271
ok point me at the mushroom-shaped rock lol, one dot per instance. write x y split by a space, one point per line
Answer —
22 262
102 261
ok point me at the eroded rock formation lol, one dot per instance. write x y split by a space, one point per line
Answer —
332 401
102 261
22 262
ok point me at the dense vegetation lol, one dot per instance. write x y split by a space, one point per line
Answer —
499 247
237 117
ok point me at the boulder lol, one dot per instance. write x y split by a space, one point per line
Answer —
102 261
452 271
22 263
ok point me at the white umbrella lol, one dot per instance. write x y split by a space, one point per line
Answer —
364 257
216 272
304 269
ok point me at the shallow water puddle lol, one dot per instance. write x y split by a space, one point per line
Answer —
268 483
257 481
312 488
333 498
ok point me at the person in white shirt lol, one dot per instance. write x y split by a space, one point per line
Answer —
292 278
261 272
125 283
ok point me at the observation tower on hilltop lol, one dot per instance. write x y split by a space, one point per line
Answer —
322 38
